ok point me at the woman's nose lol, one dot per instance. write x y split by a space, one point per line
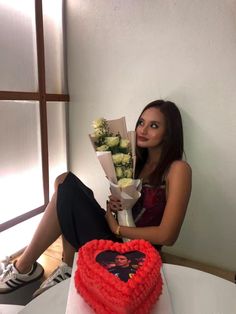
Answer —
144 130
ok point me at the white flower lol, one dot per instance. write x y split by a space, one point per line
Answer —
128 173
99 133
102 148
117 158
124 143
112 141
125 182
99 123
119 172
126 159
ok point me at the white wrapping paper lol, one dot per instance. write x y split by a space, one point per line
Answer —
128 197
129 194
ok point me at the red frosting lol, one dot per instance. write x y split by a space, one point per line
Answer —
106 293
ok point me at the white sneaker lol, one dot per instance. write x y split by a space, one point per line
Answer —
11 279
4 263
61 273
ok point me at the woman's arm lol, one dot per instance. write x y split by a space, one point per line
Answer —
178 180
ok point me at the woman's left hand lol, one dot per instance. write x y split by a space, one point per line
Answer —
111 220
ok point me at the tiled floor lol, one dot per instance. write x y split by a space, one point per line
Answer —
51 258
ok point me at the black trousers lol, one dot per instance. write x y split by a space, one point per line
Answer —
80 216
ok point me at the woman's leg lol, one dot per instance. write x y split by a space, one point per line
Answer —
68 252
46 233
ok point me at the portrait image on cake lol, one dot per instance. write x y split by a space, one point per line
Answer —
122 265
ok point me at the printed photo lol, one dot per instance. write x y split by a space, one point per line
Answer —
122 265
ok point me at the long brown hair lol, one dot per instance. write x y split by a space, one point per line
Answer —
173 144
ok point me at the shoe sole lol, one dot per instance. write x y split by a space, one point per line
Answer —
23 284
38 292
42 290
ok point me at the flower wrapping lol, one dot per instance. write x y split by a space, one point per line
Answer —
115 150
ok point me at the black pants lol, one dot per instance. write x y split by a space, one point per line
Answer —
80 216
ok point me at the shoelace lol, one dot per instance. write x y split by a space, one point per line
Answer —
8 271
4 263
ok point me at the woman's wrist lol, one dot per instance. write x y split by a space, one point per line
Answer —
117 231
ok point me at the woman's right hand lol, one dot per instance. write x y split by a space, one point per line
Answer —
114 203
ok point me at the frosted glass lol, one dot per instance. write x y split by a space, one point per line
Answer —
57 140
20 158
23 233
18 58
54 49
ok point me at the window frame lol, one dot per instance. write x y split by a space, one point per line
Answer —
42 97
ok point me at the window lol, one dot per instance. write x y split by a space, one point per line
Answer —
33 106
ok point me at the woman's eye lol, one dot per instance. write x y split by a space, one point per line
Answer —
154 126
140 122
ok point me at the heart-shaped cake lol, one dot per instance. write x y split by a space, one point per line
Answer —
119 278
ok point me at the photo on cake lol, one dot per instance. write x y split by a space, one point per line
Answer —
122 265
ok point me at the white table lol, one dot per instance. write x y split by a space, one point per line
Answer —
196 292
10 308
191 292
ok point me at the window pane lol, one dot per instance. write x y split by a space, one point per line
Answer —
57 140
20 158
23 233
17 24
53 43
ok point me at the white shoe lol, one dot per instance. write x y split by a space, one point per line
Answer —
61 273
11 279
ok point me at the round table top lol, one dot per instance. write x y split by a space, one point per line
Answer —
10 308
193 291
190 291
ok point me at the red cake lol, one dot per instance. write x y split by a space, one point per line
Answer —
119 278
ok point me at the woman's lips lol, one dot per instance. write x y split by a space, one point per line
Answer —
142 139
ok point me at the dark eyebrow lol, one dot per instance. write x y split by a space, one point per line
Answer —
157 122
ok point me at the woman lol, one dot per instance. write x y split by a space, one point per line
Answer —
74 213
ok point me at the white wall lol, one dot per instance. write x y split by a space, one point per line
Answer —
123 54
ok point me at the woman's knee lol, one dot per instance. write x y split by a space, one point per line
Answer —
60 179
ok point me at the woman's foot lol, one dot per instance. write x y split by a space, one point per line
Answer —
11 279
61 273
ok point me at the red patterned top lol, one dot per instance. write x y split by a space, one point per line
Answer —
149 209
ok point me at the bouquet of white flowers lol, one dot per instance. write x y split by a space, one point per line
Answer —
115 149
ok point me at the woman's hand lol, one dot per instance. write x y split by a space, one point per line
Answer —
111 220
114 204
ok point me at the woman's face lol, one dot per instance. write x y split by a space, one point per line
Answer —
151 128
